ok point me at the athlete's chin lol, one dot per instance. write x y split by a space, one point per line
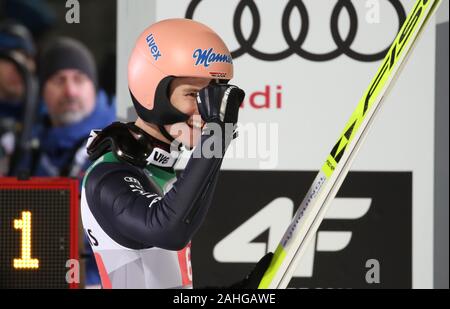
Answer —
190 140
188 135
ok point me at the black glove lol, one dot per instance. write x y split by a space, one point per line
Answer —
220 103
254 277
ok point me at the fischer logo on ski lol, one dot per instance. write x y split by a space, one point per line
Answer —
312 210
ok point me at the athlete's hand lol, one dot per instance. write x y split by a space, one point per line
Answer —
254 277
220 103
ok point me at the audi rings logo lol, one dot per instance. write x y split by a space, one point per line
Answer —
343 44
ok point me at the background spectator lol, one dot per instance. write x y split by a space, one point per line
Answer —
17 52
72 108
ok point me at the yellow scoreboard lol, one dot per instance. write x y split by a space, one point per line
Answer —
38 232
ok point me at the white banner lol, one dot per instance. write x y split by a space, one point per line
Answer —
304 66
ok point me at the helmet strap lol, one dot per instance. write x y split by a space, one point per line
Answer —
163 111
173 141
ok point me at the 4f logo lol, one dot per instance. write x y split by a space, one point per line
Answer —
242 245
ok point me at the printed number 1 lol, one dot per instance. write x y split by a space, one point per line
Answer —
24 224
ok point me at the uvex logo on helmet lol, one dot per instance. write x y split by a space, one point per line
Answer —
207 56
153 47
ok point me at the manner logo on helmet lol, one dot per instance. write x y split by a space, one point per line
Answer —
153 47
207 56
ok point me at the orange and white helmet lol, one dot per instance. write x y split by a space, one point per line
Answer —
173 48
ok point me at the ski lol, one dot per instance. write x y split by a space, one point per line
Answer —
312 209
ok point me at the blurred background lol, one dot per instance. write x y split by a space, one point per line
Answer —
63 73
